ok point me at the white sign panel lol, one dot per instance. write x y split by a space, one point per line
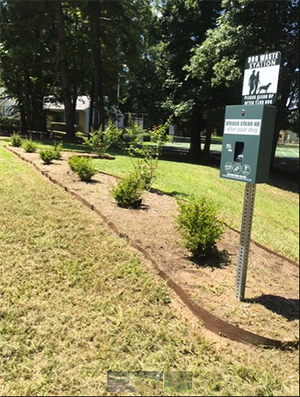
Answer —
243 127
261 79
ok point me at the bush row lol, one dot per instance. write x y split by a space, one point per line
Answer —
197 219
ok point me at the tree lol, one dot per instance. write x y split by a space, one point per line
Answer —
27 69
59 50
138 60
74 68
183 26
64 68
247 28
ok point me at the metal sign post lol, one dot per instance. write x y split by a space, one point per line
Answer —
245 238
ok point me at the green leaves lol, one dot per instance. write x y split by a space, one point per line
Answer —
128 192
29 146
16 140
100 140
199 226
82 166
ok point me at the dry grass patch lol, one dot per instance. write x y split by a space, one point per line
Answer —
77 302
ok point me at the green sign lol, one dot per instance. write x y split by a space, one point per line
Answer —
247 143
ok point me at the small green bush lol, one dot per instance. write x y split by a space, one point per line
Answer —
29 146
145 169
48 155
199 225
101 140
8 124
82 166
129 191
57 150
16 140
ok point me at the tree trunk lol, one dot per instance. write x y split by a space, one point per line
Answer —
280 115
95 32
207 141
91 114
64 68
23 121
195 147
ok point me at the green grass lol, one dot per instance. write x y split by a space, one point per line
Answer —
77 302
276 211
76 147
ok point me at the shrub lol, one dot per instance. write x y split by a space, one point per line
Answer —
100 141
82 166
29 146
57 149
145 170
113 135
147 167
128 192
48 155
199 226
16 140
8 124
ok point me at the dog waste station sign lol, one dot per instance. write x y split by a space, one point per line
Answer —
261 79
247 143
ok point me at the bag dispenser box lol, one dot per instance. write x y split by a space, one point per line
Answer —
247 143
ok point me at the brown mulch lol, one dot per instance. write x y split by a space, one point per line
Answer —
271 304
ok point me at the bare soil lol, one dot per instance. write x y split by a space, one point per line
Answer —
271 305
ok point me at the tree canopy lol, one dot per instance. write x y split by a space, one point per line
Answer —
245 28
179 57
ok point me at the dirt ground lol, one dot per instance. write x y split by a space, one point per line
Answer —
271 305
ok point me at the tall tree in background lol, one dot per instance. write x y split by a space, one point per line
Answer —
142 66
60 50
184 58
72 55
93 12
64 68
28 69
116 35
248 27
183 27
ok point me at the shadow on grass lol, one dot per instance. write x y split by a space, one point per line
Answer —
285 174
288 308
173 193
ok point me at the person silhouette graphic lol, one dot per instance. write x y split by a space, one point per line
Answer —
256 82
251 82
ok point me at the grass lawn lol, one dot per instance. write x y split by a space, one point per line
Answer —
276 210
77 302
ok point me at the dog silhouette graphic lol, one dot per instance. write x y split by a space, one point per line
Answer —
264 88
